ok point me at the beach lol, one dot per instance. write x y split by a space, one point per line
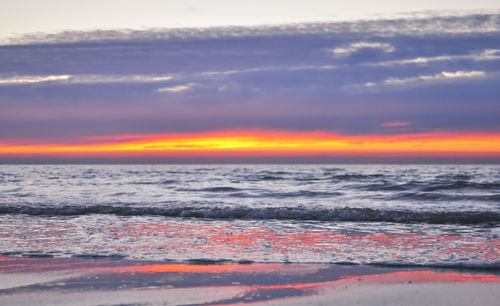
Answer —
78 281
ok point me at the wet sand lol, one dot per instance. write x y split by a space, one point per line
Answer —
103 281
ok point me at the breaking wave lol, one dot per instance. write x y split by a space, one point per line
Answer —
280 213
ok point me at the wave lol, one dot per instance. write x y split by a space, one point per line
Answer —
246 193
431 186
211 189
434 196
441 265
163 182
331 175
217 189
346 214
12 190
355 176
99 256
414 190
462 185
119 194
282 195
258 178
383 187
471 265
327 171
2 180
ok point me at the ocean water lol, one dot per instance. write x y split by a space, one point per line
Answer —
410 215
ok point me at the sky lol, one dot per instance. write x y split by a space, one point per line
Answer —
165 80
27 16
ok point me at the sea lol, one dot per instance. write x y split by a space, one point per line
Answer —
384 215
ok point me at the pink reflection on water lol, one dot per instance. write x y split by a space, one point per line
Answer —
427 276
104 266
396 277
381 279
4 259
179 238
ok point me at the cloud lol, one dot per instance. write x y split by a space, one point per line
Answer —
279 77
355 47
96 79
485 55
425 79
82 79
443 75
419 25
395 124
177 88
32 79
269 69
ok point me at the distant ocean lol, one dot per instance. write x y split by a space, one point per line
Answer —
408 215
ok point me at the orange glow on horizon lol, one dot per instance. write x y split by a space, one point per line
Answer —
265 143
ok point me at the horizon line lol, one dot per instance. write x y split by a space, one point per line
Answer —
257 160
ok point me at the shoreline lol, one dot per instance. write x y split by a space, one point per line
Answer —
83 281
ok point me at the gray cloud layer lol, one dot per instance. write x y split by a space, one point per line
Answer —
418 25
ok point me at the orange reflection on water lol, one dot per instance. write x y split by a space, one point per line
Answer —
113 266
192 268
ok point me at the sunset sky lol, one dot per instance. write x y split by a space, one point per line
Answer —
118 80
